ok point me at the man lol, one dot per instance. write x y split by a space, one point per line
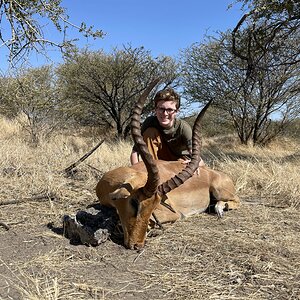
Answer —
167 137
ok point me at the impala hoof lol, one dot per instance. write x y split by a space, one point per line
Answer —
219 211
220 207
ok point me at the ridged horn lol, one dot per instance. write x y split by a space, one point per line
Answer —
189 170
153 176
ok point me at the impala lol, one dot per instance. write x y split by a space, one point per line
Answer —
156 191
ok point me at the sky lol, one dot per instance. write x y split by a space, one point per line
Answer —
164 27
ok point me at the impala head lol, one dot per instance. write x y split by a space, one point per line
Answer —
137 198
134 209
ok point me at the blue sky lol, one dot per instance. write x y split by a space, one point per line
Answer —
161 26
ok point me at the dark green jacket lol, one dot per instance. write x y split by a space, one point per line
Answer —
178 137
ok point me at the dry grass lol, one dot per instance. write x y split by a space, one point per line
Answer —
28 171
271 173
252 253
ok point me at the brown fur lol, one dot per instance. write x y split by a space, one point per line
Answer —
121 188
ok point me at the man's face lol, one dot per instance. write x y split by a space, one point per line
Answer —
166 112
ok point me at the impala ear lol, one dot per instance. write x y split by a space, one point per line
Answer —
122 192
134 182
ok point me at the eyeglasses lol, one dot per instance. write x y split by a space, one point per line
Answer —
169 111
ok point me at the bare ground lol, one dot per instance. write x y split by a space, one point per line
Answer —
252 253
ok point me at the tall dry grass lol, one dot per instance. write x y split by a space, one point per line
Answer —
26 171
269 173
265 255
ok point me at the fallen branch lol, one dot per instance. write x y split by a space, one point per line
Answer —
37 198
84 157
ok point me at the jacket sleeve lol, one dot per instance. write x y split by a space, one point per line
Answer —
187 135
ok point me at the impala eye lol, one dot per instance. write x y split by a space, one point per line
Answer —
135 205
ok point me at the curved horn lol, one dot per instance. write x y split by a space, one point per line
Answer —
189 170
153 177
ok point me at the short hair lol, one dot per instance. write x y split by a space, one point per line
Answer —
167 94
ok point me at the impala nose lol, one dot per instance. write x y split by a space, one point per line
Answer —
138 246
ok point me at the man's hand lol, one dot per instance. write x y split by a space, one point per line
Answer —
187 161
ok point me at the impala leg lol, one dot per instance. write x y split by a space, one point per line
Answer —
223 191
219 208
226 205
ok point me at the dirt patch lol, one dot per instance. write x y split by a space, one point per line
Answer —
252 253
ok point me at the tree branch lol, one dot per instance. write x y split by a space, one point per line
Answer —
84 157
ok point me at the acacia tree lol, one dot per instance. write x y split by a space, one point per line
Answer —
23 23
251 72
31 97
267 24
105 86
212 71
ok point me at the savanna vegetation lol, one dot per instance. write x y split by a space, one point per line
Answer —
251 253
54 114
251 73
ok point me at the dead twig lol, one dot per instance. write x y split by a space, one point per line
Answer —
139 254
4 225
84 157
95 169
37 198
